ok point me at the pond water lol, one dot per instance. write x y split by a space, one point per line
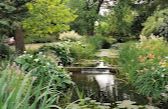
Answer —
105 88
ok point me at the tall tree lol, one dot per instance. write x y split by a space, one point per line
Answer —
12 13
88 13
48 17
121 18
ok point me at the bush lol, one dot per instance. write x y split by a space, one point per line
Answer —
4 51
80 50
157 24
38 39
60 50
69 36
103 28
107 42
145 65
68 52
96 41
99 41
44 70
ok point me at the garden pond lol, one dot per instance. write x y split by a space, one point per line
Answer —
106 88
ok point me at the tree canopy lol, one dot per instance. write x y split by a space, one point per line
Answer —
88 13
12 13
47 17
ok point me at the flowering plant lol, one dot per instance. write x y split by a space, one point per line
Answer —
145 65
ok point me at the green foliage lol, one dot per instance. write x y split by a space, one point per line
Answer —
44 70
157 24
4 51
87 15
152 83
108 41
145 65
99 41
82 50
47 39
110 60
12 12
103 27
120 19
87 103
96 41
47 17
4 21
60 50
68 52
17 92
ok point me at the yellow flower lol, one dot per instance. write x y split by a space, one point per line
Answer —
163 63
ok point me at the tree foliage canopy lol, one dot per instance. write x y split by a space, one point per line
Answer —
48 17
120 19
11 13
88 13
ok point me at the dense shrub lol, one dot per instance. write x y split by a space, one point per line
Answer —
107 42
157 24
81 50
60 50
68 52
98 41
145 65
44 70
103 27
4 51
38 39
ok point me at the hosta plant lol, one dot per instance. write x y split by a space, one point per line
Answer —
60 50
44 70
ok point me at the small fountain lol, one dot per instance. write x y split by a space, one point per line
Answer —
101 65
100 68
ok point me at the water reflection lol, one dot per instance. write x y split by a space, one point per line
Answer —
105 82
104 88
101 68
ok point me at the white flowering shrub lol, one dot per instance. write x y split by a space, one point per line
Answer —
70 36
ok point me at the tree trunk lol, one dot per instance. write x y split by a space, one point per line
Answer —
99 5
19 40
90 30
